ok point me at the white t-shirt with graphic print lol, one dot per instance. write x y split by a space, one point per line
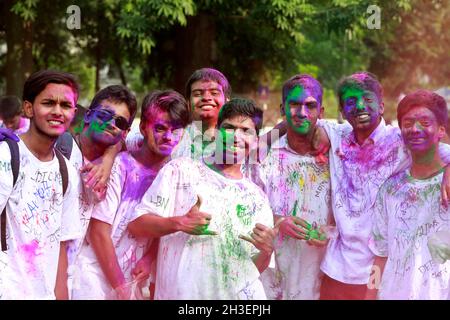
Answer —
296 185
38 219
407 213
207 267
128 182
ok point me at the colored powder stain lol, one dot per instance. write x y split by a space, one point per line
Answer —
295 95
230 249
30 252
301 182
243 214
428 157
294 210
96 127
293 178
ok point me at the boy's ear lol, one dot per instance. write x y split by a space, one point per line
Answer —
88 116
321 113
27 108
282 111
381 108
441 132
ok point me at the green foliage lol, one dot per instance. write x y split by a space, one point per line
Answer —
26 9
254 42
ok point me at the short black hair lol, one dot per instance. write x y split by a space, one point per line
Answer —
424 98
306 81
241 107
361 80
10 106
37 82
170 101
209 74
117 94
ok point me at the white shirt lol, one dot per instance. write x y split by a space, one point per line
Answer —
357 172
407 212
128 182
38 219
296 185
207 267
85 208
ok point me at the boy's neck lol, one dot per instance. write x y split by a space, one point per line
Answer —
89 148
39 144
362 135
426 164
149 159
232 171
207 127
302 144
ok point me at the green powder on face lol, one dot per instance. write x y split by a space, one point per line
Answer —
295 95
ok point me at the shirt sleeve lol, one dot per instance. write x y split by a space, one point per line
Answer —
378 240
70 219
106 209
444 152
171 193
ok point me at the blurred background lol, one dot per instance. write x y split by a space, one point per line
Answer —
257 44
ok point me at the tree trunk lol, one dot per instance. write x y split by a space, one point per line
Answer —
19 42
194 49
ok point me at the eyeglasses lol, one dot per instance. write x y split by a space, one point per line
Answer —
107 115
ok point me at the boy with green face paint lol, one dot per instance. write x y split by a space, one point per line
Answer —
363 156
298 188
226 237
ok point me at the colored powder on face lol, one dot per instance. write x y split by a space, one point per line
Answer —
98 128
295 94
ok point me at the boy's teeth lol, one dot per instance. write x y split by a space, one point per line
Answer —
363 117
55 122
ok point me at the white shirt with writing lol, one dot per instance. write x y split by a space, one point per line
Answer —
38 219
407 212
207 267
357 173
296 185
128 182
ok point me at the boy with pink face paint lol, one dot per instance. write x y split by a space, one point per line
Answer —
112 258
40 217
362 157
408 210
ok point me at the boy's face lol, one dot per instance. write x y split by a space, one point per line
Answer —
109 122
421 131
362 109
237 136
13 123
160 132
52 110
207 97
301 110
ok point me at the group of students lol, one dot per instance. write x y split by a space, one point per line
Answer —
197 205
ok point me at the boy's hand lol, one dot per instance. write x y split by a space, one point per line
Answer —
262 238
195 222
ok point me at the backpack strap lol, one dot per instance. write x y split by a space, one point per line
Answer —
63 170
64 144
15 165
